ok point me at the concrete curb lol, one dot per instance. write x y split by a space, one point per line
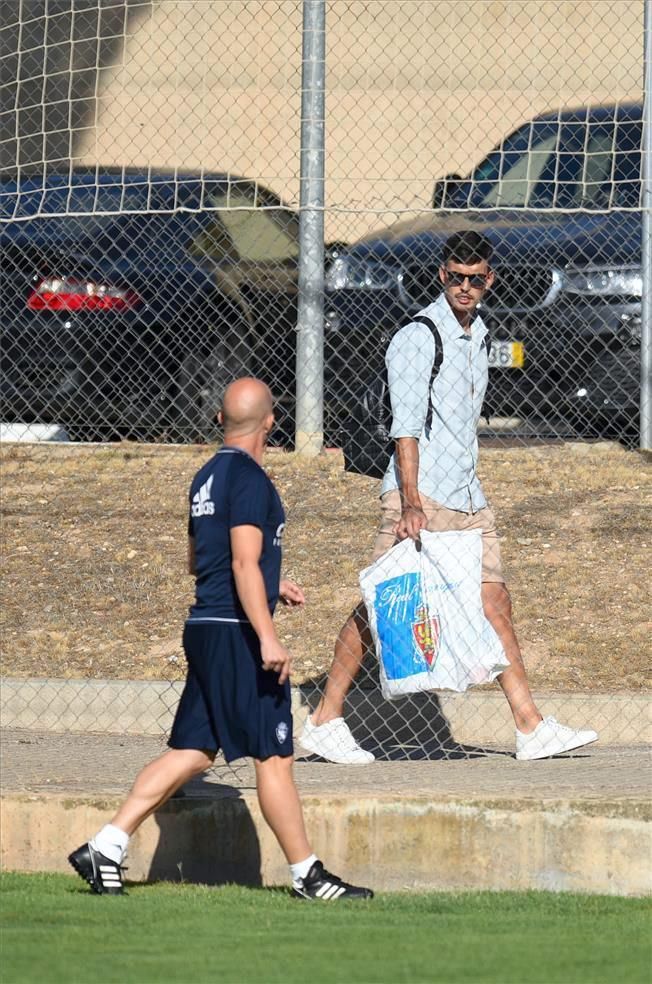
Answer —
478 717
388 842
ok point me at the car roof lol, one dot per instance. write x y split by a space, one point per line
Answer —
83 190
118 176
632 111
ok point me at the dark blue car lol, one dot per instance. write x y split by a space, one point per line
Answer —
129 300
560 201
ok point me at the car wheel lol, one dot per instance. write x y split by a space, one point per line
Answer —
203 376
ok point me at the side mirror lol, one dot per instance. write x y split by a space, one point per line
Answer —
443 188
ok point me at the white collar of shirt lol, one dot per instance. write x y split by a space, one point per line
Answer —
441 313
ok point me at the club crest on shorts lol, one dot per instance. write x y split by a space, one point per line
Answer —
282 732
426 635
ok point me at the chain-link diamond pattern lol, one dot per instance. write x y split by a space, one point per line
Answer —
150 228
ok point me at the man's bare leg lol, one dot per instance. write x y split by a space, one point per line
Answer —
352 643
281 806
157 782
498 609
99 861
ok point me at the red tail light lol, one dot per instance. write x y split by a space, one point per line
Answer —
68 294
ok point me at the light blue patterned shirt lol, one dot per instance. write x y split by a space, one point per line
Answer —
448 448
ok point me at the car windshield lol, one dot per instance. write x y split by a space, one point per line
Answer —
551 164
245 230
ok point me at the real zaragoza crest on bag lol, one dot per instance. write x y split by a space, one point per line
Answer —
426 633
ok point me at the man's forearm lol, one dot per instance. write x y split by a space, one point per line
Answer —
253 597
407 468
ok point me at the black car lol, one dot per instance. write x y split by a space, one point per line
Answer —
130 299
560 201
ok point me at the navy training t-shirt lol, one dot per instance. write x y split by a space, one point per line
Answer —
232 490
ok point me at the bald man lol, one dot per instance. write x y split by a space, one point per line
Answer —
237 692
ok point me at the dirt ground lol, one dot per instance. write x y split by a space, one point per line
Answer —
94 553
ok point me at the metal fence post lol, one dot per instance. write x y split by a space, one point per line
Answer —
646 241
310 327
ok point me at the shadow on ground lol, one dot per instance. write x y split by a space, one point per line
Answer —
185 853
412 728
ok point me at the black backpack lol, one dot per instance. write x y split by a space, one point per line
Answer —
366 442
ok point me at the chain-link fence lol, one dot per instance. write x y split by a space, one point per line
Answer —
163 190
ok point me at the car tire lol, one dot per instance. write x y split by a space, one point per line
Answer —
202 379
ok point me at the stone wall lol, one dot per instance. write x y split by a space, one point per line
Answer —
415 88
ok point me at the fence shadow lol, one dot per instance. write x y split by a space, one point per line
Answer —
207 837
412 728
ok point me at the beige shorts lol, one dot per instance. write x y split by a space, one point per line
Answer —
440 519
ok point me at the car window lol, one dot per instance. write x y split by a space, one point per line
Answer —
576 164
596 189
581 174
627 169
520 176
242 228
501 180
213 241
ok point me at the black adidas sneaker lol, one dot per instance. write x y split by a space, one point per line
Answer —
102 874
321 885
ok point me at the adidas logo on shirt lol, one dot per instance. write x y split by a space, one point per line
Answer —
202 505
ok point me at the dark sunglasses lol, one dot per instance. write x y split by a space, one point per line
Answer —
456 279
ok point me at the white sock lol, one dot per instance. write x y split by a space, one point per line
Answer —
111 842
299 870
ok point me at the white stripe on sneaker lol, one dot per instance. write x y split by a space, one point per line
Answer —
109 876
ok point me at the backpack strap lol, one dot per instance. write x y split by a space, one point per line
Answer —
436 364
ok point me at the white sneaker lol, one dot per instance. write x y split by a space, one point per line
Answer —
334 742
550 738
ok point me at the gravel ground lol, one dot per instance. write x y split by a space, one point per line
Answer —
94 556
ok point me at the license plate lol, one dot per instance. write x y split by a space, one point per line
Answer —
506 355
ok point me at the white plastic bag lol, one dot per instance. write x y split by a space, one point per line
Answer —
426 618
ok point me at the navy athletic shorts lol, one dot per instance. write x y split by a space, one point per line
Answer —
229 701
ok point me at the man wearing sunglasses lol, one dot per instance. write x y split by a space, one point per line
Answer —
432 483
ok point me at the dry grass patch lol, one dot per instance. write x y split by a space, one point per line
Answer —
94 556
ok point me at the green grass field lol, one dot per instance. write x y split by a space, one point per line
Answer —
54 930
